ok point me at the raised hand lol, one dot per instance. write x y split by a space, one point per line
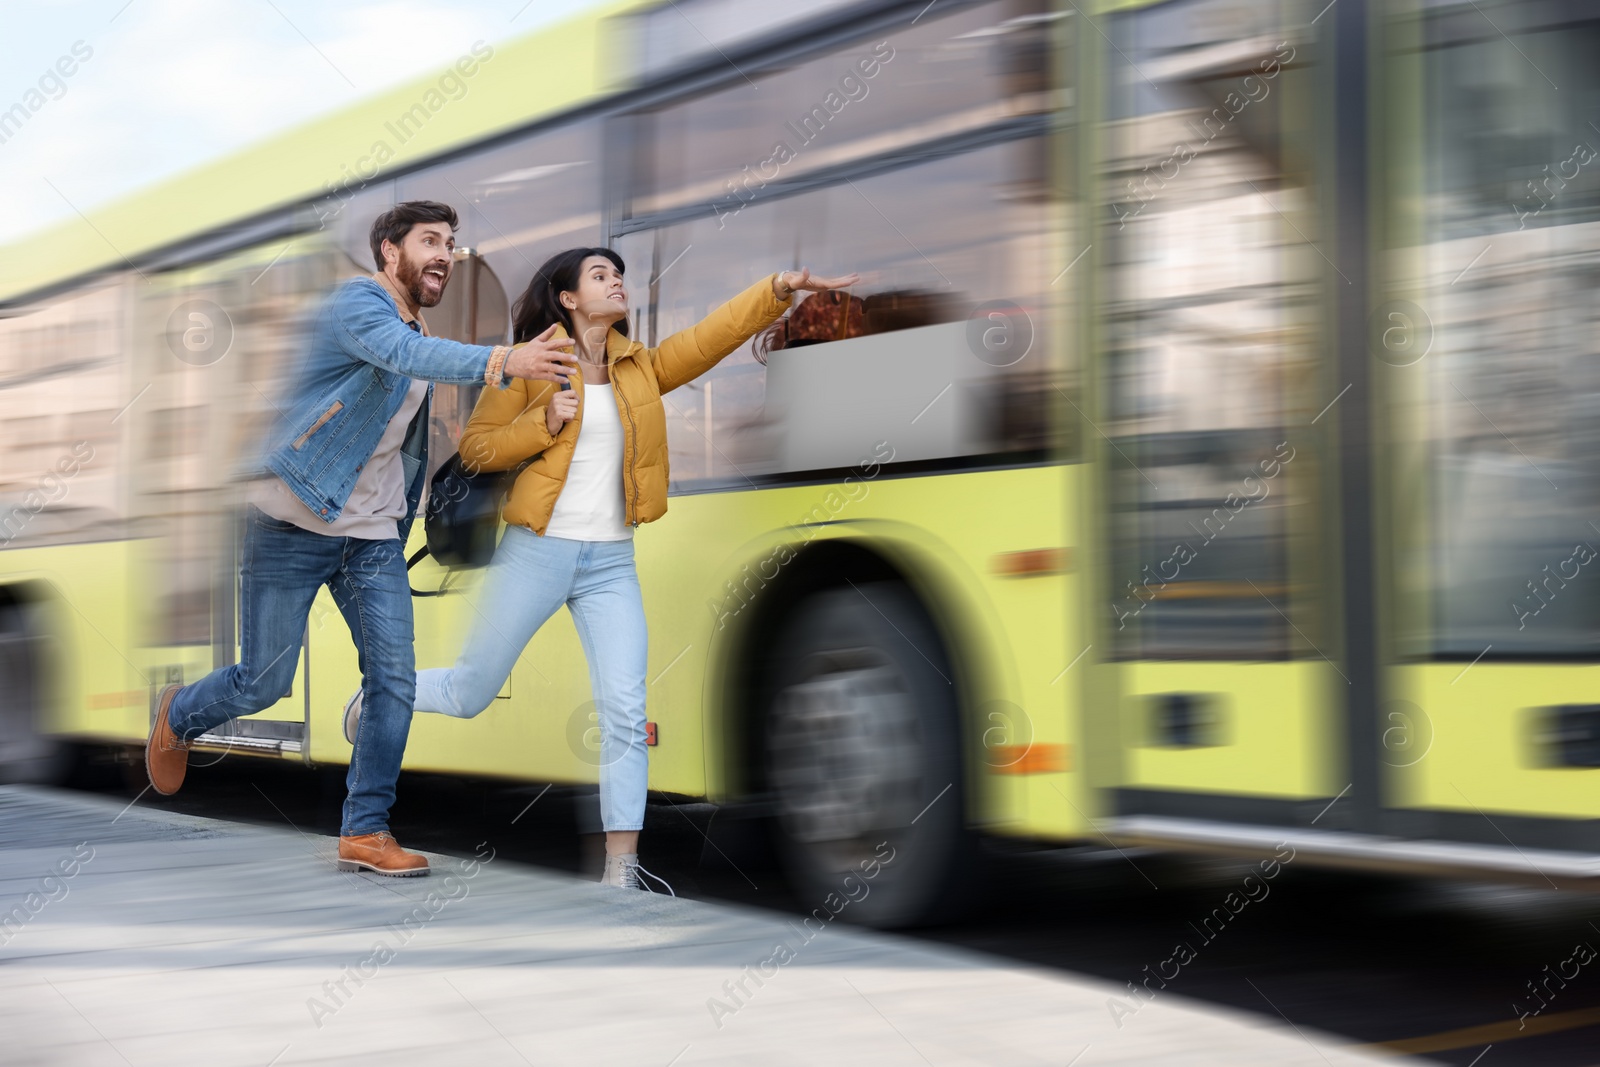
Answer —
545 358
786 283
563 406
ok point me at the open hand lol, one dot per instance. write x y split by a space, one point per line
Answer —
562 408
788 282
545 358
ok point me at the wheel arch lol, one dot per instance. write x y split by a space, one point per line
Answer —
835 555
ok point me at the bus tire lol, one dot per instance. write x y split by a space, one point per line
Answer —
28 756
863 759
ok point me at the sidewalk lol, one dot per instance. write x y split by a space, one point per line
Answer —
137 937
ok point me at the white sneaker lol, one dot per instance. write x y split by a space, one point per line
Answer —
352 718
623 872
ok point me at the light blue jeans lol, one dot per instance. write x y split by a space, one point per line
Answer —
529 578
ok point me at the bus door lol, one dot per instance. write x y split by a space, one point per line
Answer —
1212 445
212 348
1491 710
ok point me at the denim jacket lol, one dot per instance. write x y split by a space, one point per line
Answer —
364 352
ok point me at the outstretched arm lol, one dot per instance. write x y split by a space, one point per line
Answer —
687 354
366 327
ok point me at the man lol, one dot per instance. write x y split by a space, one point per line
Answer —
347 466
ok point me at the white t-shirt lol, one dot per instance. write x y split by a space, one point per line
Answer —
377 500
590 505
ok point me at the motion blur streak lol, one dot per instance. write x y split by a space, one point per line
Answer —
1206 458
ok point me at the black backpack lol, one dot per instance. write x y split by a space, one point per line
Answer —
463 515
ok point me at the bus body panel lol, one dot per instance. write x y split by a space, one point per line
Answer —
1474 738
1275 732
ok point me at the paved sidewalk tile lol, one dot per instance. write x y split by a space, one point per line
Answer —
178 940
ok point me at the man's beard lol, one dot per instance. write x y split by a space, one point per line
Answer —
409 274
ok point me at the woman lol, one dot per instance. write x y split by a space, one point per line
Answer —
599 469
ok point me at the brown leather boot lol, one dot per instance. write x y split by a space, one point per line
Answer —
166 759
380 854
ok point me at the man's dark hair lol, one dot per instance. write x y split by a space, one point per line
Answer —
394 224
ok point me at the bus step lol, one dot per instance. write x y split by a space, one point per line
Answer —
263 736
1371 852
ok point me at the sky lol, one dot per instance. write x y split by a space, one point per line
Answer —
160 86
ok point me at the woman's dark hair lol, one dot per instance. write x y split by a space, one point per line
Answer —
539 307
394 224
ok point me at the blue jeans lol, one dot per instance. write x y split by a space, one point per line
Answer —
281 570
530 578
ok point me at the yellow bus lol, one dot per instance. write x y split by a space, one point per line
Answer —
1199 464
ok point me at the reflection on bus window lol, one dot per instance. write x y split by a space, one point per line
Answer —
942 78
893 362
1508 397
214 349
61 383
1212 315
520 203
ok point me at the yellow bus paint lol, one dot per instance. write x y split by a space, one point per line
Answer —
997 625
1278 729
1481 724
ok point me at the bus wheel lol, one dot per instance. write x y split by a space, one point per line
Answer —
863 757
27 756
